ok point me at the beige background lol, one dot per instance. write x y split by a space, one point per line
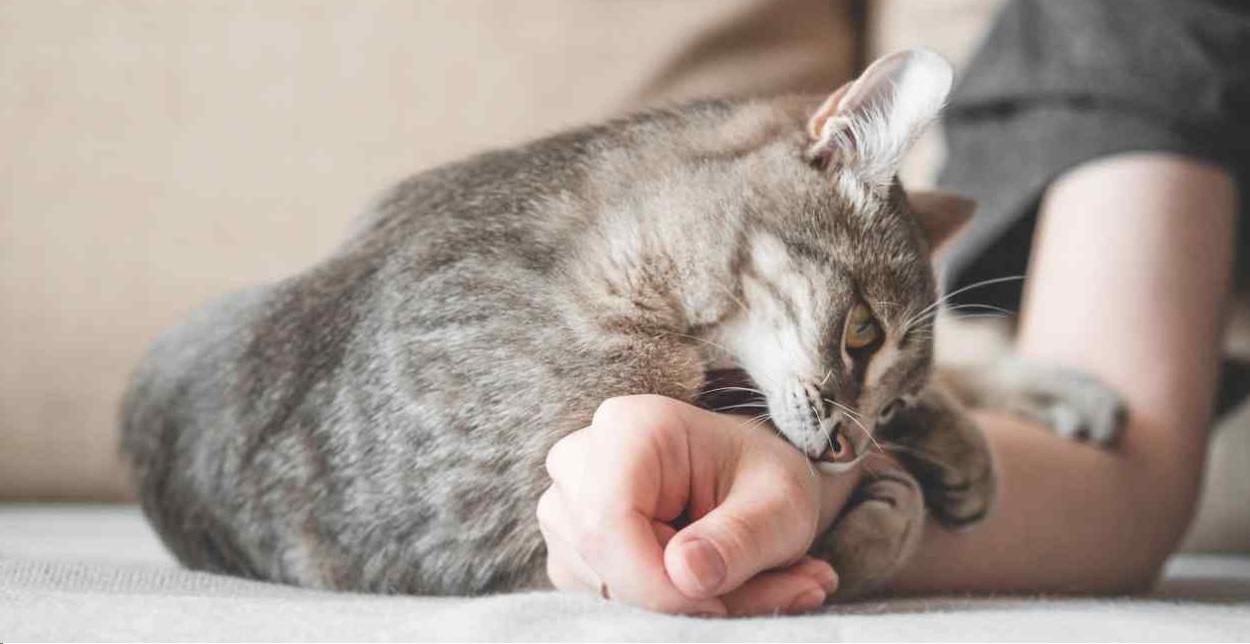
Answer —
155 154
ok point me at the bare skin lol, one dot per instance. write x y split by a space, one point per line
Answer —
1130 280
619 485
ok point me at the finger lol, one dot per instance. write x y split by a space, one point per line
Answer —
641 476
663 532
568 573
798 589
768 519
632 567
565 568
567 458
637 456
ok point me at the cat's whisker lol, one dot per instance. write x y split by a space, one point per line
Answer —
980 284
977 305
867 433
843 407
756 420
934 314
742 406
938 302
973 316
969 305
734 388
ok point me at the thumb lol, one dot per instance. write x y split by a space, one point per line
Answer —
765 522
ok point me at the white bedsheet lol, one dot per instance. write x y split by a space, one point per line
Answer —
74 573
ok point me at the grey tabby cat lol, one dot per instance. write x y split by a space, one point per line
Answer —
379 422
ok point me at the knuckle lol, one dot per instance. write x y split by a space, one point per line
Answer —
740 536
554 456
612 410
545 512
650 414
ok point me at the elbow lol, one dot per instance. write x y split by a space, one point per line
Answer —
1151 529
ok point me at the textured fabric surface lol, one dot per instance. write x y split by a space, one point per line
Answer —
97 601
79 573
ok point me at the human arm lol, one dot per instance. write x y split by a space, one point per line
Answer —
1128 281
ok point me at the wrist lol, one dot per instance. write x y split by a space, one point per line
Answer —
835 491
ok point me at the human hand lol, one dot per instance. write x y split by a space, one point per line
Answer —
755 504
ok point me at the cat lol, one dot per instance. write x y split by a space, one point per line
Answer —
379 422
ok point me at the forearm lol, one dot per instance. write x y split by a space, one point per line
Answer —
1069 517
1128 282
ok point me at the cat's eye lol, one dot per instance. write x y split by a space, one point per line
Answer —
862 329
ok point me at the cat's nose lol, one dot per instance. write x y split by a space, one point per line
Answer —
840 449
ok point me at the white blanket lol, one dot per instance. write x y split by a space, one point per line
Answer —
71 573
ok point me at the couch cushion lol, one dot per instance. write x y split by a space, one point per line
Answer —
159 154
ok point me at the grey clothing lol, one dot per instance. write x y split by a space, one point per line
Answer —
1057 84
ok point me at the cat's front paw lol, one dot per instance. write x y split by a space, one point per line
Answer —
877 532
1072 404
944 449
958 500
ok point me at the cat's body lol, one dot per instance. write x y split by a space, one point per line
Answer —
380 421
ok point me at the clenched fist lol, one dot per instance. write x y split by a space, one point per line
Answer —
673 508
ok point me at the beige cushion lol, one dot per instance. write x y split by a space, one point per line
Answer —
156 154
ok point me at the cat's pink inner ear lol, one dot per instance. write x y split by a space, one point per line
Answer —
941 214
870 123
816 124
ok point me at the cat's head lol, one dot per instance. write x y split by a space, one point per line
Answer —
835 286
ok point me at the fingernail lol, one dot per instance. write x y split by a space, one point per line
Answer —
705 564
828 579
808 601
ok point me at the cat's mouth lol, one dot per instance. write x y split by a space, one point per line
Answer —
840 450
733 391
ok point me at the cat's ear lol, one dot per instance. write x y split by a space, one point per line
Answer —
868 124
941 214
